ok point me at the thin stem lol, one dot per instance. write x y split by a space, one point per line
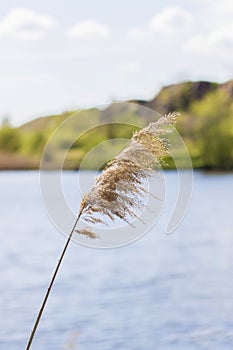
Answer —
50 286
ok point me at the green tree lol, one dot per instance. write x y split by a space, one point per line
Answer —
213 130
9 139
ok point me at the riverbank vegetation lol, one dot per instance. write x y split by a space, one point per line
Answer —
205 123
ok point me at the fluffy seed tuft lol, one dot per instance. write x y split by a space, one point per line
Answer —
120 189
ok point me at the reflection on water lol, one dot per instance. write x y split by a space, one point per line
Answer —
161 292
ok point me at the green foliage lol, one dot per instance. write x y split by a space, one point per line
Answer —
213 130
9 139
205 123
33 143
91 138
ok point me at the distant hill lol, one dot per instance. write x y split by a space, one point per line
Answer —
47 122
206 125
181 96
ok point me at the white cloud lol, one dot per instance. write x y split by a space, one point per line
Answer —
171 20
90 30
129 67
217 42
22 23
213 35
214 14
225 6
219 7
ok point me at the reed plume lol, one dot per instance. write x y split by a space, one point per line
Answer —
119 191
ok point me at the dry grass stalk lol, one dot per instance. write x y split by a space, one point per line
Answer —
120 189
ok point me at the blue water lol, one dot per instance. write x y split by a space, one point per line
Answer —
162 292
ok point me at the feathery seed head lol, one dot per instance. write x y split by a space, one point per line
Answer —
120 189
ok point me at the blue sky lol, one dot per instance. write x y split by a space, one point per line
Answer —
60 55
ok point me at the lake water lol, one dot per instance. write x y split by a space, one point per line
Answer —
162 292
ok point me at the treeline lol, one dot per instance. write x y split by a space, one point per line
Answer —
207 128
205 123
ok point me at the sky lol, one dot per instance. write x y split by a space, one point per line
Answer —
68 54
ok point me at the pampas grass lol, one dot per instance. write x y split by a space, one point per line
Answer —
120 189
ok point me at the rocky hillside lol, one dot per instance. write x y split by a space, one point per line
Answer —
181 96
